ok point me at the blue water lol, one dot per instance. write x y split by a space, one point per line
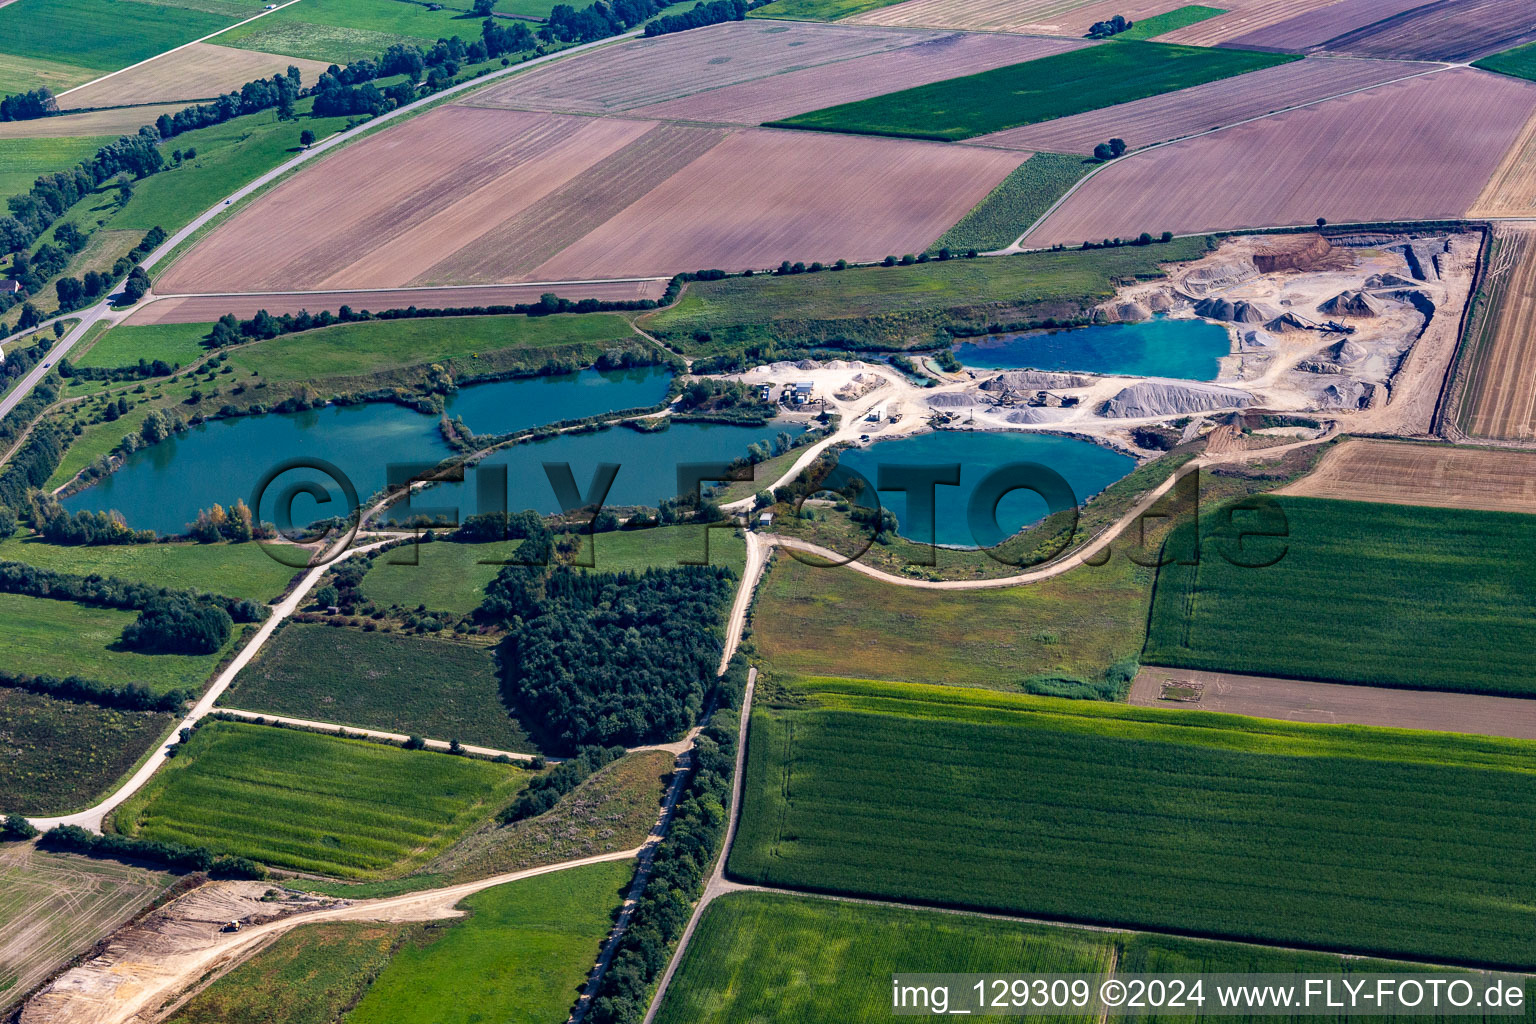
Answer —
1088 468
163 487
1160 347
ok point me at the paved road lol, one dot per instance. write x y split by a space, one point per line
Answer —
88 319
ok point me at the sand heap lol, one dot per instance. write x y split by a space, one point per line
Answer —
1240 312
1154 399
1217 277
1306 252
1122 313
953 400
1349 394
1035 380
1352 303
1285 323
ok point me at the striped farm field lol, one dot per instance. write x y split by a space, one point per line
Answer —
1364 593
1500 399
1511 192
316 803
82 127
1312 26
1416 474
1070 18
1371 841
1243 16
1354 158
199 71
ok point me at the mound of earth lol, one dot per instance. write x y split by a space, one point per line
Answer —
1123 313
1214 278
1306 252
1037 414
1163 300
1347 352
1240 312
1351 394
1351 303
1285 323
1153 399
1035 380
954 400
1389 281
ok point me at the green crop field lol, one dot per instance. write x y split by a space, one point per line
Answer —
1039 90
316 803
1158 24
346 30
900 307
1013 206
520 957
1375 841
362 348
446 576
767 959
22 160
310 975
60 755
439 689
810 620
103 35
234 570
1519 62
62 638
175 344
23 74
1366 593
817 10
664 547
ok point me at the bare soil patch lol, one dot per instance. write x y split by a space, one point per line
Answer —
1500 400
1359 157
1070 18
1297 700
1186 112
1243 16
1315 26
1451 30
198 71
1440 476
1511 192
124 121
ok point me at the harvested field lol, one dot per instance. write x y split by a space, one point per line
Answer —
1035 17
1316 26
746 203
97 122
1414 474
649 71
796 92
1191 111
56 905
1450 30
456 175
1243 16
1500 398
1358 157
200 309
199 71
1511 192
1299 700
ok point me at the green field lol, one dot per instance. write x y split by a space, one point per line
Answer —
310 975
1366 593
520 957
898 307
665 547
103 35
23 74
1013 206
346 30
62 638
389 681
1375 841
60 755
810 621
772 959
1158 24
1519 62
22 160
817 10
446 577
316 803
469 342
176 344
1039 90
234 570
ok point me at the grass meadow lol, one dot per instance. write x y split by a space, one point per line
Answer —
439 689
818 10
1366 593
316 803
1519 62
900 306
125 345
446 576
342 31
1013 206
22 160
1168 21
234 570
1374 841
664 547
64 638
23 74
1039 90
61 754
520 957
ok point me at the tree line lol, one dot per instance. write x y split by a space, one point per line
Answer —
74 839
544 791
25 106
133 697
712 13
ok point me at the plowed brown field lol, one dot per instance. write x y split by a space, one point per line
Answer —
796 92
1394 473
1045 17
1500 400
1174 115
1420 148
196 72
1511 192
1315 27
647 71
763 195
1451 30
1242 16
202 309
97 122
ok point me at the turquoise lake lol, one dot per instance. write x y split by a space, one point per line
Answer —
163 487
1088 468
1160 347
